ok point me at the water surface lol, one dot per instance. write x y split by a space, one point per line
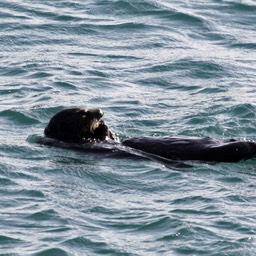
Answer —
156 68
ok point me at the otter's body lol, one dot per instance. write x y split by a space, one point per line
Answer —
86 125
203 149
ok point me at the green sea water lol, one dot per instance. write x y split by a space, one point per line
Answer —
155 68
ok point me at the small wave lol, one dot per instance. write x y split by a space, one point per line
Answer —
40 74
242 111
7 240
242 5
13 71
158 223
6 182
44 215
248 46
93 246
201 69
18 117
65 85
52 251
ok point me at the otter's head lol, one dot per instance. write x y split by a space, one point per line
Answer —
78 125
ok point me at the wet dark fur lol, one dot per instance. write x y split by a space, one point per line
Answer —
75 125
203 149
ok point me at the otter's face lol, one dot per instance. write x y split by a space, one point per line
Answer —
90 119
76 125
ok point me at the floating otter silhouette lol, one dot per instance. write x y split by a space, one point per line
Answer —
86 126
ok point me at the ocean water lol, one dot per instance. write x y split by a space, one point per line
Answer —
156 68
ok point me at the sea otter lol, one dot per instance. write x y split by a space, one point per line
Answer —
78 125
86 126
